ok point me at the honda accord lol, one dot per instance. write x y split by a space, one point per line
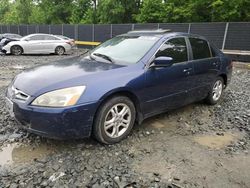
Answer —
105 91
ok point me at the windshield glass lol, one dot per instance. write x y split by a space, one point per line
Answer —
125 49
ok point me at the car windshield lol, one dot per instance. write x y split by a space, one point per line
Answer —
124 49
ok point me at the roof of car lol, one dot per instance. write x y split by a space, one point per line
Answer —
161 33
33 34
150 32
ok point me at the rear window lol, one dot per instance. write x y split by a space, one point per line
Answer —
200 48
63 37
48 37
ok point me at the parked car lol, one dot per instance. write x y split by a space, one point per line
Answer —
10 36
124 80
6 38
38 44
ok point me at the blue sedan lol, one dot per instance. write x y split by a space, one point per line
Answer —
123 81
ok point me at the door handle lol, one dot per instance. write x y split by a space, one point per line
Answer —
215 63
187 69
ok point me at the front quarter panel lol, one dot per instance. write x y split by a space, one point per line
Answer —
100 86
9 45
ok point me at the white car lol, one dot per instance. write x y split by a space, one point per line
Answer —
39 44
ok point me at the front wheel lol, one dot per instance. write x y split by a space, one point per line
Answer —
16 50
114 120
216 91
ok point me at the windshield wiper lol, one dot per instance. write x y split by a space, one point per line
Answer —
88 55
104 57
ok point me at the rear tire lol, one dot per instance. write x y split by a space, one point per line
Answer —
60 50
16 50
114 120
216 91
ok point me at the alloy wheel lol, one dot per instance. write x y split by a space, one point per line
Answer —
217 90
16 50
117 120
60 50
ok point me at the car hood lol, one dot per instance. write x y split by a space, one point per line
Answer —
63 73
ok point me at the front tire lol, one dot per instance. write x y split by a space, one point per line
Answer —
216 91
16 50
59 50
114 120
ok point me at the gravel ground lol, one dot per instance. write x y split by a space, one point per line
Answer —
195 146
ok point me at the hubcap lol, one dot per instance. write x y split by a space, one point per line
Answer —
60 51
217 90
16 50
117 120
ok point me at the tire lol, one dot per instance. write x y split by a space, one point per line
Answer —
214 95
117 126
60 50
16 50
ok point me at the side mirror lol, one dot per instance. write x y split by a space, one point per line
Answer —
162 62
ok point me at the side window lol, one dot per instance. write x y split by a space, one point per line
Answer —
175 48
48 37
37 37
200 48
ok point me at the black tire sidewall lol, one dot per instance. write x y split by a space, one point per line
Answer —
98 129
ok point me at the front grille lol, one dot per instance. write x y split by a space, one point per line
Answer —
18 94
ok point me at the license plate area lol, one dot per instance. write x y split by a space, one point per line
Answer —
9 106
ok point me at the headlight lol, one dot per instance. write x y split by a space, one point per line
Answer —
60 98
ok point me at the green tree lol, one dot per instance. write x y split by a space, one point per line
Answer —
122 11
56 12
230 10
37 16
4 9
152 11
23 10
79 11
117 11
187 11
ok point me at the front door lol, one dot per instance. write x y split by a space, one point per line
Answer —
33 44
167 87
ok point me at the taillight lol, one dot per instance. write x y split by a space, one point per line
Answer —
71 42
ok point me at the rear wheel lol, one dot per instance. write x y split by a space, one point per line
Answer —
59 50
216 91
16 50
114 120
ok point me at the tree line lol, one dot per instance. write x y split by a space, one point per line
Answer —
122 11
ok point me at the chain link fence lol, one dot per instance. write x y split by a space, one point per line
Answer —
226 36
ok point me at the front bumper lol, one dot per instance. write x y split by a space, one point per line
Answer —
59 123
6 49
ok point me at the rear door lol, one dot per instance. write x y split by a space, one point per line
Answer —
167 87
206 67
49 43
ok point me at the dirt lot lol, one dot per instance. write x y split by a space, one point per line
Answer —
195 146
